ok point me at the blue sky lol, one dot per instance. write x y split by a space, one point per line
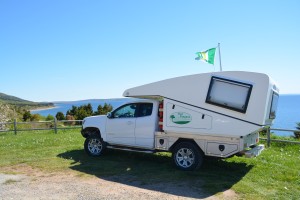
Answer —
54 50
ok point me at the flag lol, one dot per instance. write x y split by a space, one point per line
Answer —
207 56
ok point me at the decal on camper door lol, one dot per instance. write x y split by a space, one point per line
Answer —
177 116
181 118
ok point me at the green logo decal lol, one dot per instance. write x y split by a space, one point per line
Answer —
181 118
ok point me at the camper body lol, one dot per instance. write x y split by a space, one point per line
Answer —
214 114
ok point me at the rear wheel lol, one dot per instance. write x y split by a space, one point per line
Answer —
187 156
94 146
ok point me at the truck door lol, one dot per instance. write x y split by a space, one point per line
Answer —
146 124
120 126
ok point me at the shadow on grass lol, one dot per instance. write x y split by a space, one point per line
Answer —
156 172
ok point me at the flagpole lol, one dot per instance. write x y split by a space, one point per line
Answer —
220 57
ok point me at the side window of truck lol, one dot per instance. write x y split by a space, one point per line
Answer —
125 111
145 109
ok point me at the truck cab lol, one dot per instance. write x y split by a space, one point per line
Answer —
132 125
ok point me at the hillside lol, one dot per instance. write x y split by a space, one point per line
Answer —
12 100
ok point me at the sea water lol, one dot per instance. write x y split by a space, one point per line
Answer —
288 114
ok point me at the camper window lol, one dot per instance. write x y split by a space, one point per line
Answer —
229 94
275 98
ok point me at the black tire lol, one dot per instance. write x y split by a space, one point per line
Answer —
187 156
94 146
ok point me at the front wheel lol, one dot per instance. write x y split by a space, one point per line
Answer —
94 146
187 156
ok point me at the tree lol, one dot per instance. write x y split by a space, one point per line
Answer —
72 111
88 109
26 115
99 110
80 112
49 118
60 116
107 108
103 110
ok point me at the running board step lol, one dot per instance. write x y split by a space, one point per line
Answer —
255 151
131 149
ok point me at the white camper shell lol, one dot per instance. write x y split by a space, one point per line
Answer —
214 114
214 108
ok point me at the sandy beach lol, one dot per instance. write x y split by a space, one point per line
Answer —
42 108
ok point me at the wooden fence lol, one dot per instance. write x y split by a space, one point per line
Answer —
71 124
268 139
55 125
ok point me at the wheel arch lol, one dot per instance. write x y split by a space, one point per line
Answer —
185 140
90 131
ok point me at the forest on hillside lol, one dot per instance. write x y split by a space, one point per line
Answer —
12 107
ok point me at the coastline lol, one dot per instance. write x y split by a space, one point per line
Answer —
43 108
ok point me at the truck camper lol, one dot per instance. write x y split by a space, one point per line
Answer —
211 114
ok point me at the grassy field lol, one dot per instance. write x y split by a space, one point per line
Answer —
275 174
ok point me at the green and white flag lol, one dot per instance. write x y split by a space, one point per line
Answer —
207 56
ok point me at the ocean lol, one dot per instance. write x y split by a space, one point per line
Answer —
288 110
288 114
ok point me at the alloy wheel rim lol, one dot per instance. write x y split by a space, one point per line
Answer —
95 146
185 157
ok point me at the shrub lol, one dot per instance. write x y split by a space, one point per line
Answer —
49 118
35 117
70 117
297 134
60 116
26 116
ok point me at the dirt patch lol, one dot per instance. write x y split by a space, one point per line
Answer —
24 182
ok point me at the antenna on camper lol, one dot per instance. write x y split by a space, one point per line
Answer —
220 57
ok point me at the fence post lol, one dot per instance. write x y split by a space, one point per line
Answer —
55 125
15 126
268 136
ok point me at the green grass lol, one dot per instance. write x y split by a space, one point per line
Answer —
38 148
275 174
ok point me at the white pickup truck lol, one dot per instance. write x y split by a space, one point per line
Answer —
212 114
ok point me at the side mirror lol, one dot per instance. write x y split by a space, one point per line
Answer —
109 115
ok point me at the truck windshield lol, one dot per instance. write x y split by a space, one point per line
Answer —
273 108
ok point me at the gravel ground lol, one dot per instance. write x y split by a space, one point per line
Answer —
28 183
